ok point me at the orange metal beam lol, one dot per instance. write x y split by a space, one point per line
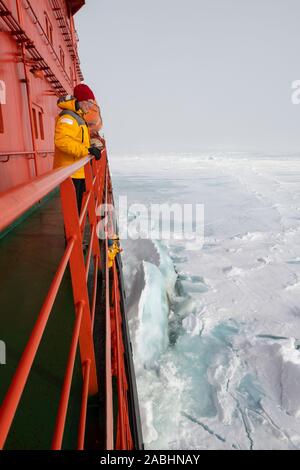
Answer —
108 371
89 255
65 395
83 412
120 365
95 290
90 183
77 268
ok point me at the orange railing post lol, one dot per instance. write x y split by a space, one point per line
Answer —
108 365
124 437
65 395
83 411
94 243
77 268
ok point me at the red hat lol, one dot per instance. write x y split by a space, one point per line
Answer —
83 93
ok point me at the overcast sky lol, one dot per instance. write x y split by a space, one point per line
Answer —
191 75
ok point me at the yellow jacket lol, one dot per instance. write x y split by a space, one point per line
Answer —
113 249
72 136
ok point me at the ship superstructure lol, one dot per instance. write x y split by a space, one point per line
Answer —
68 380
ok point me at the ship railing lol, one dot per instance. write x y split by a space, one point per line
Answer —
13 204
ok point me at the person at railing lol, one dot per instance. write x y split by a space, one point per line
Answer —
113 249
93 119
72 135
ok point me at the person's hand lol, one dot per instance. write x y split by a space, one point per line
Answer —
95 152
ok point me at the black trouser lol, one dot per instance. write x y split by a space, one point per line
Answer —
79 185
80 189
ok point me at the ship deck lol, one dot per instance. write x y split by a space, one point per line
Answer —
29 255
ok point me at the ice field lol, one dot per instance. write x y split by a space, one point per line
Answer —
216 329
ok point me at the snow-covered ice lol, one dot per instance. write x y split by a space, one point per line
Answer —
216 331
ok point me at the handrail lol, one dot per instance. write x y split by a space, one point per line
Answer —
15 202
42 153
11 154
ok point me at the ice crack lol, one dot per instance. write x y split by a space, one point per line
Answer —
204 426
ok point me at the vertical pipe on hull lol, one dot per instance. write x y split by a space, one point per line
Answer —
29 101
75 79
